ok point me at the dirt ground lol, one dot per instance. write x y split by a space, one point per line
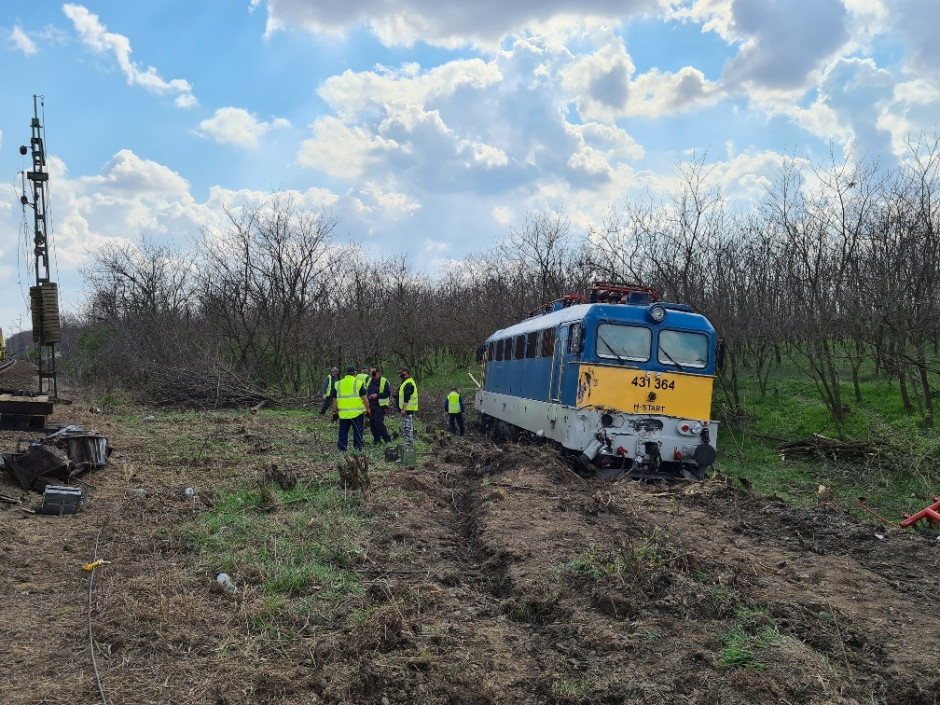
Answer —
493 575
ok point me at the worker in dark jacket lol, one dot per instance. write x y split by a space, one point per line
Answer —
378 392
453 405
328 386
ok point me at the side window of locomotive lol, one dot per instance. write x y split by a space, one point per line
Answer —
499 349
575 339
531 346
491 352
624 342
683 349
548 343
520 347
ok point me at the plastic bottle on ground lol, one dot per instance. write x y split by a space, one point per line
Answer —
226 583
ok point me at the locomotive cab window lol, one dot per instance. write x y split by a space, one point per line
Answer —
624 342
682 349
520 347
575 339
499 349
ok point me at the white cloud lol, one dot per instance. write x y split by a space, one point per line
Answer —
96 36
236 126
23 42
128 174
436 246
448 24
784 41
657 93
600 82
913 20
464 126
341 150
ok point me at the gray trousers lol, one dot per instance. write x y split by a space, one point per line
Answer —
408 428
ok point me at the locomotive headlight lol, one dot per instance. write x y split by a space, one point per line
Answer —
657 313
696 428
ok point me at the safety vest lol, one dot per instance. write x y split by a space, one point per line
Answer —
412 404
330 385
383 383
453 403
348 401
363 378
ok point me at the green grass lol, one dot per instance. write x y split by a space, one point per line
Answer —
299 553
751 632
629 561
899 480
573 687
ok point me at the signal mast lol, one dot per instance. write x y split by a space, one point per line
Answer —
44 295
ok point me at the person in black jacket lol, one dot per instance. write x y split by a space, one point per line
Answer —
379 392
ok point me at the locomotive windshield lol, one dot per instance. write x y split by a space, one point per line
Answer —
624 342
682 349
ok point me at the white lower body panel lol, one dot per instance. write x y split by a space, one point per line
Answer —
605 437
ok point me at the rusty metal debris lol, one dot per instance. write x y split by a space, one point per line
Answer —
62 455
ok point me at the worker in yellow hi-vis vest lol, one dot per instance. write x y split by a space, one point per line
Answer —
350 403
408 405
453 405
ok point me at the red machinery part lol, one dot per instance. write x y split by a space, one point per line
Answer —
931 513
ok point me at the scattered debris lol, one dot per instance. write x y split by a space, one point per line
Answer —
214 388
61 500
931 514
819 446
285 479
31 467
354 473
96 564
63 455
226 583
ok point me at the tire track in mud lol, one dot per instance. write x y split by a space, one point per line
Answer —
485 641
519 589
484 573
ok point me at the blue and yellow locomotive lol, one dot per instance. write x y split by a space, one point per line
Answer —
622 381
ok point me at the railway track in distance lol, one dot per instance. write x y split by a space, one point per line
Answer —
6 365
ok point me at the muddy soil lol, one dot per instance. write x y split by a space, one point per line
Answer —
491 575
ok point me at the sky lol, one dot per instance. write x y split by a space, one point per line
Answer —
427 127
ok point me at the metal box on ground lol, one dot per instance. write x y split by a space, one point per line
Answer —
408 455
61 500
86 450
391 453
